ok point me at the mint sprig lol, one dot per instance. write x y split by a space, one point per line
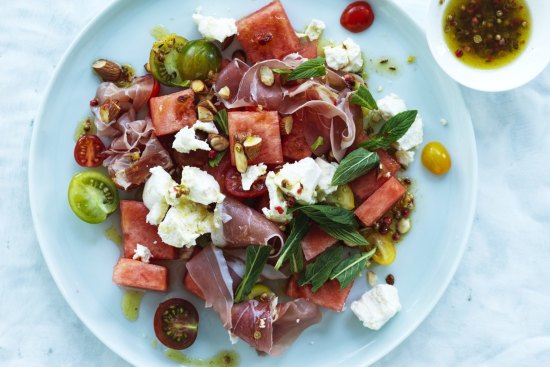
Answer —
391 131
364 98
354 165
309 69
256 258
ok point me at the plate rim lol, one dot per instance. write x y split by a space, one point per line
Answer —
88 322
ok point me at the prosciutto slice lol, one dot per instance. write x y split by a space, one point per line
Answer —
240 226
272 328
137 94
127 172
323 105
209 271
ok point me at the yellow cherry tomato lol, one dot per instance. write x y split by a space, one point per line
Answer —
385 248
436 158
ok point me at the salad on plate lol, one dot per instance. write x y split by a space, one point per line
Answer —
258 158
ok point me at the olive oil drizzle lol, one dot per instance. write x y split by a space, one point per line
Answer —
131 301
222 359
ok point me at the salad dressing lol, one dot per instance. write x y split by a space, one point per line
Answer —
112 233
222 359
486 34
131 300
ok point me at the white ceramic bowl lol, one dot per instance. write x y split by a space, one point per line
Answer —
524 68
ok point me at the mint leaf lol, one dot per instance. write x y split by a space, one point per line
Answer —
318 272
345 233
222 120
309 69
256 257
292 250
350 268
364 98
215 162
328 215
391 131
356 164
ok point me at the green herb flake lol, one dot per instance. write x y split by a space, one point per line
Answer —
354 165
317 143
391 131
222 120
411 59
215 162
319 271
281 71
256 258
309 69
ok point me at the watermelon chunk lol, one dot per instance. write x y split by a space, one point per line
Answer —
295 145
170 113
366 185
263 124
136 230
329 295
309 50
315 242
137 274
380 202
192 286
267 34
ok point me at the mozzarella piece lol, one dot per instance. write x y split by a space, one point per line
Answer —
300 180
277 211
201 186
252 174
325 188
314 29
185 141
377 306
346 56
185 223
155 194
207 127
215 28
390 106
404 157
413 137
142 253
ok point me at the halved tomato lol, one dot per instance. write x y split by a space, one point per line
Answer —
88 151
176 323
234 185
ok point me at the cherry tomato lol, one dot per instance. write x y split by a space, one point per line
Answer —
357 17
156 89
176 323
385 248
88 151
436 158
92 196
234 186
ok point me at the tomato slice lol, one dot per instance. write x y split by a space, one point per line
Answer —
234 185
156 89
176 323
88 151
92 196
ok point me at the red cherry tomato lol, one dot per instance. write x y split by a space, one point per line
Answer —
88 151
357 17
234 185
176 323
156 89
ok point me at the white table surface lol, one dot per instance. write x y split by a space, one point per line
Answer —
496 311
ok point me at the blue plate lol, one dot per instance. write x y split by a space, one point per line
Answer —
81 259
